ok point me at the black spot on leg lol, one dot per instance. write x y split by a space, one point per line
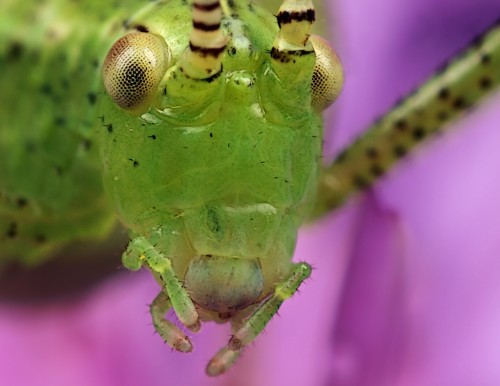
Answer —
485 59
485 83
459 103
444 94
418 133
401 125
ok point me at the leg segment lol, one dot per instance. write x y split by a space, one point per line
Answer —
170 333
254 325
141 250
460 85
222 361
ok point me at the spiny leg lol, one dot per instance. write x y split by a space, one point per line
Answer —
203 58
459 85
257 321
141 250
170 333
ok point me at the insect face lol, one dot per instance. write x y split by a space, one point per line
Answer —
215 176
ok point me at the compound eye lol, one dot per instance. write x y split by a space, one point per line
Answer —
328 76
133 69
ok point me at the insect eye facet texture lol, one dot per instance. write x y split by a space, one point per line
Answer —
328 76
134 68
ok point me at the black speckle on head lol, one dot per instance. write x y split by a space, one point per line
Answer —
141 28
399 151
92 97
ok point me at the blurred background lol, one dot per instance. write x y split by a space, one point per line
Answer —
405 288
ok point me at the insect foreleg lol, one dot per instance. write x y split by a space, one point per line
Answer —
455 88
257 321
170 333
141 249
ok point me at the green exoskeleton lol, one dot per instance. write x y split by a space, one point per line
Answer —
211 146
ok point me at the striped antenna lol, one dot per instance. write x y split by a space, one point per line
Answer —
295 19
207 44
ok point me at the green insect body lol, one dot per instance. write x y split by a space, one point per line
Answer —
211 157
217 165
50 186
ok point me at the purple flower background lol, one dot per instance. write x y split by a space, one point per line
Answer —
406 287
